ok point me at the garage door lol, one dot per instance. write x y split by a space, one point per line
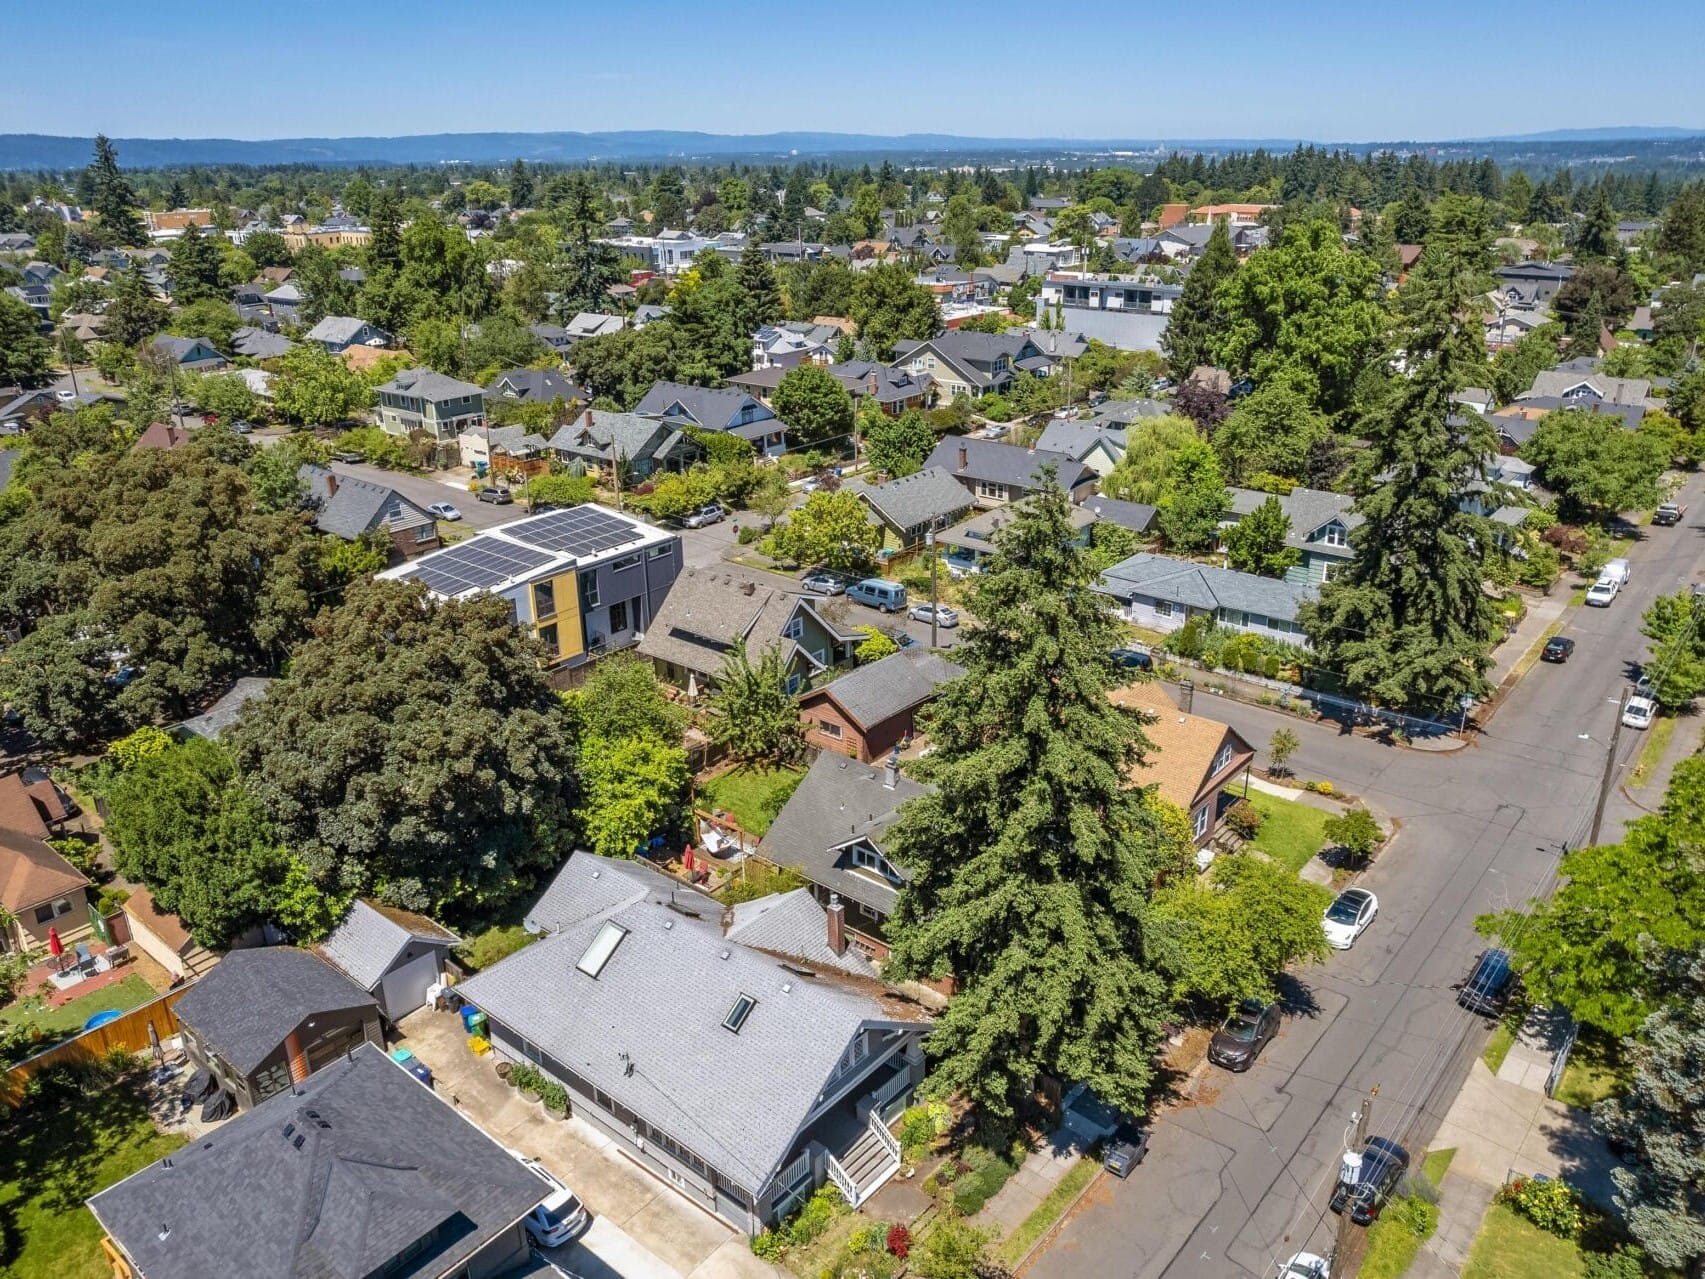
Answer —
404 990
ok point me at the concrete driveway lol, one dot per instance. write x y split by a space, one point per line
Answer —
1239 1175
641 1228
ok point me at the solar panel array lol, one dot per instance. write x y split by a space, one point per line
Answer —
479 564
580 531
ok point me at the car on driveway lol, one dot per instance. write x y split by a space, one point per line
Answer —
1125 1150
1240 1039
1557 649
444 511
497 497
1638 713
1305 1265
706 515
943 616
1132 659
823 584
560 1217
1348 915
1383 1164
349 457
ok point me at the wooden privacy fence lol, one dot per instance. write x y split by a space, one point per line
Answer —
129 1030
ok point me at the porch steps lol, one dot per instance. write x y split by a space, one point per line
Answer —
869 1163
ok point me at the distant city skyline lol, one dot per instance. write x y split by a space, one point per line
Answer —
1340 72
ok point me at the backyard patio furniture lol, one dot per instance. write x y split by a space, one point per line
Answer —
85 958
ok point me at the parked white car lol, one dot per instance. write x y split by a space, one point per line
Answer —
1638 713
444 511
1603 591
1304 1265
1348 917
560 1217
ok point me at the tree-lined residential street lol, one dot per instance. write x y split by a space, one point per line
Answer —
1239 1177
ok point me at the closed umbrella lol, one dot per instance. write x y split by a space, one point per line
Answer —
55 947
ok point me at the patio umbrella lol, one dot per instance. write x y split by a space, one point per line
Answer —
55 947
692 687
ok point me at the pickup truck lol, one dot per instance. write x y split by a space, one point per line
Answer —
1669 513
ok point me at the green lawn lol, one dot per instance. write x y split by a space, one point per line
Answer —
63 1021
1511 1247
55 1159
1498 1046
1291 832
1391 1250
753 793
1652 750
1012 1249
1436 1164
1592 1073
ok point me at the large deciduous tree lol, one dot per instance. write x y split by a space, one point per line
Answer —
1676 628
1407 623
754 713
314 387
633 788
1198 318
1588 948
25 355
895 445
832 529
414 750
888 304
1193 498
814 404
1153 444
1033 856
1595 465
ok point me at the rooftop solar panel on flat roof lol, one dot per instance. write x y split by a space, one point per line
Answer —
477 565
579 531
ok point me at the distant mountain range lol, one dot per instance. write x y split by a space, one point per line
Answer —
42 151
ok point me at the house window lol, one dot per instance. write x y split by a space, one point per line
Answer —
795 628
544 600
870 859
618 616
829 728
588 591
548 637
1199 821
737 1015
626 562
659 552
1163 608
1223 758
44 914
1329 571
1335 535
1233 617
989 489
61 907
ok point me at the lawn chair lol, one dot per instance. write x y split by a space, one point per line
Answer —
85 959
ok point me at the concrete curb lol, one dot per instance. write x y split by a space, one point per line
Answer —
1047 1235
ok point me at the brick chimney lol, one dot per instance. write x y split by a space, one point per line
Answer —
964 457
331 483
873 383
837 914
589 417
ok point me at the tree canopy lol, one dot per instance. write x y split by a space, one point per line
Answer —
814 404
888 304
1198 321
1032 857
1256 543
1594 464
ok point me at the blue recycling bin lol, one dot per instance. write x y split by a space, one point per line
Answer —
469 1012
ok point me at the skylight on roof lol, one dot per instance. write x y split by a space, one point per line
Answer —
603 946
743 1006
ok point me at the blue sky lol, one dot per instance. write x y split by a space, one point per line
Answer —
1237 68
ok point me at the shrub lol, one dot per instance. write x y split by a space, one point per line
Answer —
1547 1203
1627 1262
1244 819
899 1240
1324 788
110 900
917 1132
483 951
80 853
1356 831
989 1172
1419 1217
815 1215
145 743
768 1246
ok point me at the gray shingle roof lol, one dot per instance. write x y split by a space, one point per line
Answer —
357 506
222 714
258 344
707 610
1005 463
1136 516
381 1162
917 500
431 385
371 936
1203 586
712 407
245 1006
1077 440
1613 390
340 329
1125 412
635 438
651 1021
796 925
532 386
886 688
839 800
1307 510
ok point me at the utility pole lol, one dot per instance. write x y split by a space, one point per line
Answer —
929 542
1609 770
1340 1264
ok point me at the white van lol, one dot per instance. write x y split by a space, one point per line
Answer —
890 597
1617 569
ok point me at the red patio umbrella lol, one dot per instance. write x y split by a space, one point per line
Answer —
55 947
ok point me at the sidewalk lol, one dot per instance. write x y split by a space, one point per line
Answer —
1542 613
1042 1170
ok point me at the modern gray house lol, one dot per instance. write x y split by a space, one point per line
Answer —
1162 594
359 1171
743 1079
1124 311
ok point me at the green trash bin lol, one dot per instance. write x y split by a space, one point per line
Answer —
476 1025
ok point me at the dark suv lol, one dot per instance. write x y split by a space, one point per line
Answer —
1238 1042
1489 985
1383 1164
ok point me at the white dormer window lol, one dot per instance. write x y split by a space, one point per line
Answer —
1334 534
868 858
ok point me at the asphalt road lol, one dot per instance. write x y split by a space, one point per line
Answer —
1239 1179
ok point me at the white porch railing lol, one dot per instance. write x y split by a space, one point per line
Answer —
888 1140
843 1182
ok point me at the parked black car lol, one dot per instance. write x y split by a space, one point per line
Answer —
1489 985
1238 1042
1132 659
1383 1164
1557 649
1125 1150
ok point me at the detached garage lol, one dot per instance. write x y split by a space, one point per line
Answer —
394 955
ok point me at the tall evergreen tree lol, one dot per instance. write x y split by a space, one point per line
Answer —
385 249
1596 240
761 295
1197 318
111 195
520 186
1032 858
1407 624
194 268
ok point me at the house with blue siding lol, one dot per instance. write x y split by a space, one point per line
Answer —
1320 529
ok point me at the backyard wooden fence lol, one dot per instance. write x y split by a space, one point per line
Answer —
129 1030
